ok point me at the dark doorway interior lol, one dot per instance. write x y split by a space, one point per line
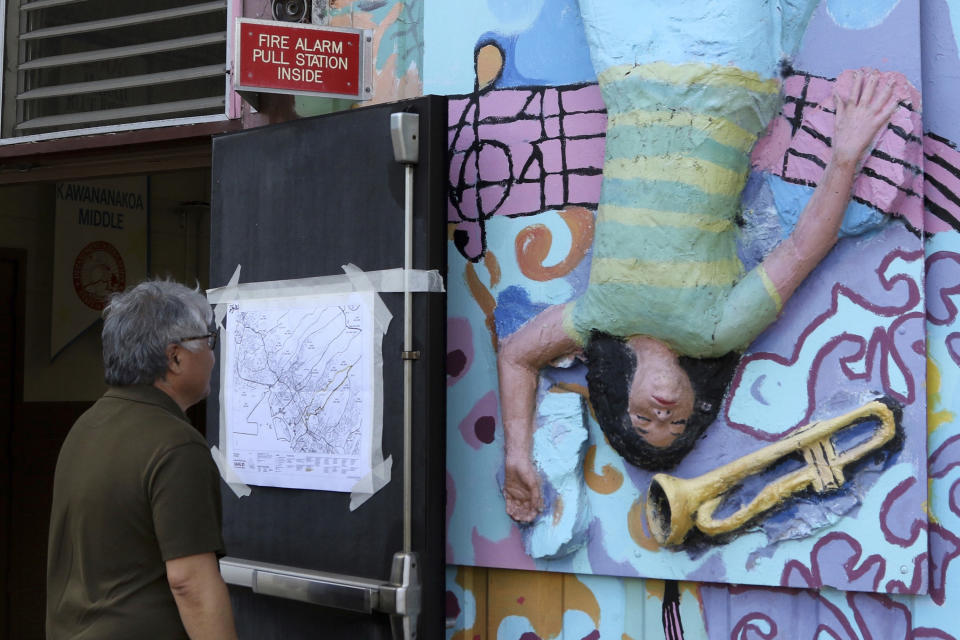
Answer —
12 268
30 437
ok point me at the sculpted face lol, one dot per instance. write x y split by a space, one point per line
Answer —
661 394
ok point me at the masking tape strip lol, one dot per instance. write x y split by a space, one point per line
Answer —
220 310
377 479
380 469
229 475
385 281
354 279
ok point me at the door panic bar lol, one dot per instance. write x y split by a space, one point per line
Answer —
400 597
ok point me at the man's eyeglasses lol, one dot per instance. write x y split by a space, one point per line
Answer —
211 338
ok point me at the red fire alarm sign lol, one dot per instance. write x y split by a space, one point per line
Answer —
280 57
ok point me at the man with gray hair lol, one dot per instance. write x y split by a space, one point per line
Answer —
135 527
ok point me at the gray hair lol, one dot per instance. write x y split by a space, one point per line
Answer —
140 323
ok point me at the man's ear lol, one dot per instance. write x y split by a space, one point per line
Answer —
173 358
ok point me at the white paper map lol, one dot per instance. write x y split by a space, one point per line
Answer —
297 375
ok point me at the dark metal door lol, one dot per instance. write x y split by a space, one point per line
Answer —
299 200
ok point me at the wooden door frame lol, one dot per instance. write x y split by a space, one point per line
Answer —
18 257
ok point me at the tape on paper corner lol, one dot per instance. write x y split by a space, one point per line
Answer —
220 310
377 479
229 476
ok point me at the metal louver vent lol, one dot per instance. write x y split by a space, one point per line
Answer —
85 63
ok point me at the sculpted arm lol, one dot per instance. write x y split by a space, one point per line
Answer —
521 356
860 116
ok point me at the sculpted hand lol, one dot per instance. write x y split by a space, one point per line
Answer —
861 113
521 489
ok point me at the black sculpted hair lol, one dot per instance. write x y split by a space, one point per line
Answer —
611 365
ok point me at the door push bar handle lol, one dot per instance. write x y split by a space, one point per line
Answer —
400 597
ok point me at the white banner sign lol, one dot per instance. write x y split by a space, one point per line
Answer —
100 247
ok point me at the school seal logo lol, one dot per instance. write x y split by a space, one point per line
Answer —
98 272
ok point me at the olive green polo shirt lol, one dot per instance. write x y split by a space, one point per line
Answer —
135 486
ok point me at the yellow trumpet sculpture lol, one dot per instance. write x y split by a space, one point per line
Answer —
675 505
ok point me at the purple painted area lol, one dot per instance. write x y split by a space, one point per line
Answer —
508 104
879 348
836 561
953 347
900 521
584 154
483 413
829 49
551 102
941 70
553 156
486 428
459 348
918 583
600 562
551 127
944 548
586 98
456 365
751 613
507 553
713 570
817 293
955 498
553 189
453 606
945 458
451 503
879 617
926 633
748 612
943 282
584 124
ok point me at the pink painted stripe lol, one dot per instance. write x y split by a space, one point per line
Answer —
513 131
585 154
552 153
944 177
820 91
945 151
455 109
894 171
878 193
799 168
585 124
503 103
585 189
793 85
587 98
938 198
523 198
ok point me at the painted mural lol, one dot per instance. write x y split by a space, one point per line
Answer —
641 344
564 118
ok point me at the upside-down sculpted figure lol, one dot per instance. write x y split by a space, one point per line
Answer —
689 87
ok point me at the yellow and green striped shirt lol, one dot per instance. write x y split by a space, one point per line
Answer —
664 255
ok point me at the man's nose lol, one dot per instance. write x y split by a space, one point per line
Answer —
662 413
